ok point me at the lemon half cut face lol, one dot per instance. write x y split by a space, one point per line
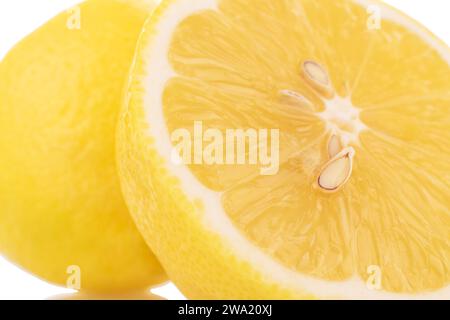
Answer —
359 207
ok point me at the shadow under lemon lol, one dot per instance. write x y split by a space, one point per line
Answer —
141 295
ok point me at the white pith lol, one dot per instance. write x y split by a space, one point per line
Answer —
342 118
159 71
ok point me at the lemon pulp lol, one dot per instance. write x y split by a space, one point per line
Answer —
393 92
376 106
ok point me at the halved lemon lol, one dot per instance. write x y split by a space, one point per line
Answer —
357 205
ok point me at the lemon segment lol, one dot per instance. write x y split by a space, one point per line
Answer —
383 92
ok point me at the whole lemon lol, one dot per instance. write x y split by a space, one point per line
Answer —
62 215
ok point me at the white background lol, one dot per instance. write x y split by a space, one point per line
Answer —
20 17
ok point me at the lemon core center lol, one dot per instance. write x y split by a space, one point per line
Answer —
343 118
